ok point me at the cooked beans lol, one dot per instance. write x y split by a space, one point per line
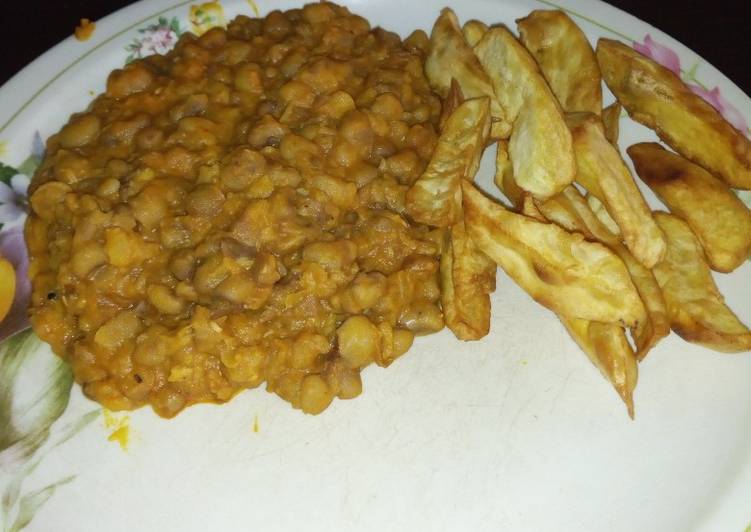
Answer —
231 214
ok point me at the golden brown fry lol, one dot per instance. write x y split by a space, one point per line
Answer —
559 210
570 210
473 31
435 198
540 143
560 270
467 279
566 59
602 214
453 99
521 200
716 216
604 174
607 347
605 343
451 57
648 333
656 97
529 208
611 117
696 308
504 176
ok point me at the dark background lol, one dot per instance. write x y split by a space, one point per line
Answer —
717 30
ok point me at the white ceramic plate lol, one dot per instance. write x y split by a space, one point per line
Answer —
515 432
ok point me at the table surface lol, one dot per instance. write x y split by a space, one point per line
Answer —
716 30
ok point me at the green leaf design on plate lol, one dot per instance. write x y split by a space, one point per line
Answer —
175 26
691 72
34 391
29 166
690 75
33 501
6 172
71 429
12 493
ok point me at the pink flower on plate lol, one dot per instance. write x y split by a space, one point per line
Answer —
660 53
726 109
157 38
159 41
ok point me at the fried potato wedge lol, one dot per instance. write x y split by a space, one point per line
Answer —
566 59
606 344
602 214
649 332
696 309
529 208
716 216
611 117
540 143
450 57
656 97
521 200
604 174
607 347
467 279
560 270
473 31
504 176
571 211
453 99
435 198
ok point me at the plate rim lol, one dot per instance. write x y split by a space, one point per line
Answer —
109 23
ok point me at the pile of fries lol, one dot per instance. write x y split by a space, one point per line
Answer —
579 236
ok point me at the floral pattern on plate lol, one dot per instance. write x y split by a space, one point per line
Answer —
28 423
158 38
